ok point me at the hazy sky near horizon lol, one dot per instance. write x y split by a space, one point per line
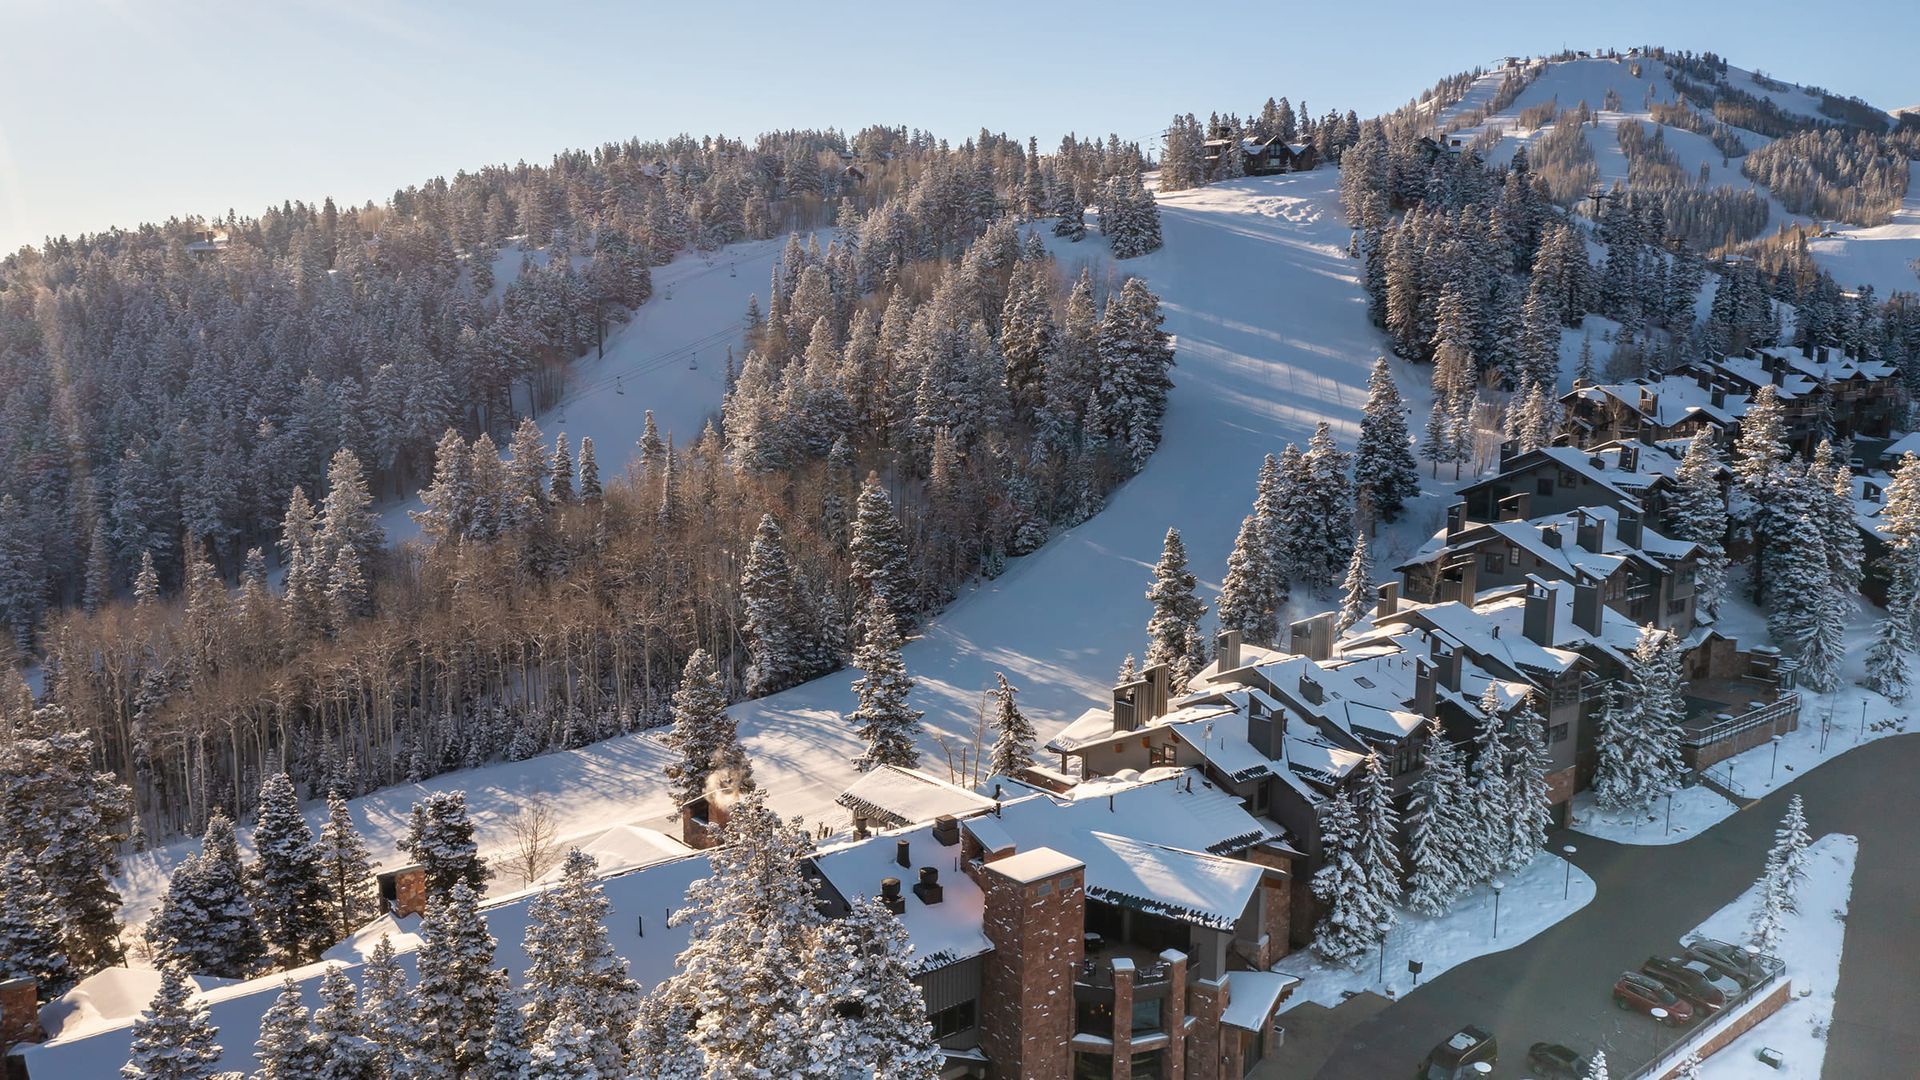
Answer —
114 112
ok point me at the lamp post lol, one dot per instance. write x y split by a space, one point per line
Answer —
1774 769
1498 888
1669 812
1384 927
1566 887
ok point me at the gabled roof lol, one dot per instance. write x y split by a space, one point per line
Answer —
899 796
942 933
1187 886
1567 556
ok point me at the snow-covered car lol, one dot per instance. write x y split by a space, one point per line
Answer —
1694 980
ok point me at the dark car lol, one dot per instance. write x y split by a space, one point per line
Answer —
1695 981
1643 992
1455 1058
1551 1061
1736 963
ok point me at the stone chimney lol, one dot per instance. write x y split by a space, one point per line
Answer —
20 1012
1591 534
404 889
1034 914
1586 605
1537 618
1226 647
1387 599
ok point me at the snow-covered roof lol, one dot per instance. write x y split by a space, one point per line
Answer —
1252 996
942 933
1669 399
1555 541
899 796
1092 726
1177 807
1035 865
1188 886
624 847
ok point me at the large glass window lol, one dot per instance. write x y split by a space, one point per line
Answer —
1093 1018
953 1020
1092 1066
1146 1015
1150 1065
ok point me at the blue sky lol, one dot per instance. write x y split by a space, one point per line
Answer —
119 111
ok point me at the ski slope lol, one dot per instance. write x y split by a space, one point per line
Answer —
1272 337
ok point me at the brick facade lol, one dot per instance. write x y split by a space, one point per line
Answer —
1026 1000
20 1012
1740 1025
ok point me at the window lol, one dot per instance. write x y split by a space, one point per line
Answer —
1513 555
1617 587
1162 754
1092 1066
1146 1015
1543 486
1559 733
952 1020
1150 1065
1496 562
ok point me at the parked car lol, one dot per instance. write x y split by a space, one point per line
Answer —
1736 963
1455 1059
1695 981
1551 1061
1643 992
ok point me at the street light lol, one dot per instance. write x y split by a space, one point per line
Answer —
1498 887
1669 812
1384 927
1566 890
1775 767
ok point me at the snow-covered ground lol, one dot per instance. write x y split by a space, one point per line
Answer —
1695 810
670 358
1272 337
1547 890
1884 256
1811 948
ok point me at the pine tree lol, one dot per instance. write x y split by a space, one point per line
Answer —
349 523
1597 1068
1326 516
1789 852
879 555
289 891
565 1052
772 618
750 929
703 735
345 871
388 1011
590 491
1438 828
884 717
572 970
30 929
1805 612
1530 814
456 996
339 1031
1249 595
560 474
448 500
865 1016
1380 835
1134 355
1486 848
1351 927
1887 660
1173 633
1698 512
1013 735
1273 501
440 839
207 920
286 1049
1615 784
173 1039
1357 591
507 1056
68 820
1384 472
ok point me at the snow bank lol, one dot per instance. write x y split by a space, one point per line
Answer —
1811 948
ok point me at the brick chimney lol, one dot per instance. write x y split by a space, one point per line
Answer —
404 891
20 1012
1034 914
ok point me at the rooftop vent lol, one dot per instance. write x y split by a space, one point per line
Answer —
900 852
946 830
928 888
890 895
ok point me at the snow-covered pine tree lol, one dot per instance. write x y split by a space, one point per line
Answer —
572 969
566 1052
348 521
289 892
339 1031
1486 841
1761 474
1275 503
1351 926
1832 483
1698 512
1380 834
1805 613
1134 355
590 490
68 820
345 871
1597 1068
1013 734
507 1056
1174 628
1790 843
1887 659
207 921
750 928
1357 591
388 1012
1070 212
879 556
1616 784
1527 793
772 618
1383 469
865 1015
560 473
665 1048
1653 765
1438 827
1249 596
1326 518
30 929
702 735
1768 921
440 839
457 995
885 717
173 1039
286 1049
448 500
